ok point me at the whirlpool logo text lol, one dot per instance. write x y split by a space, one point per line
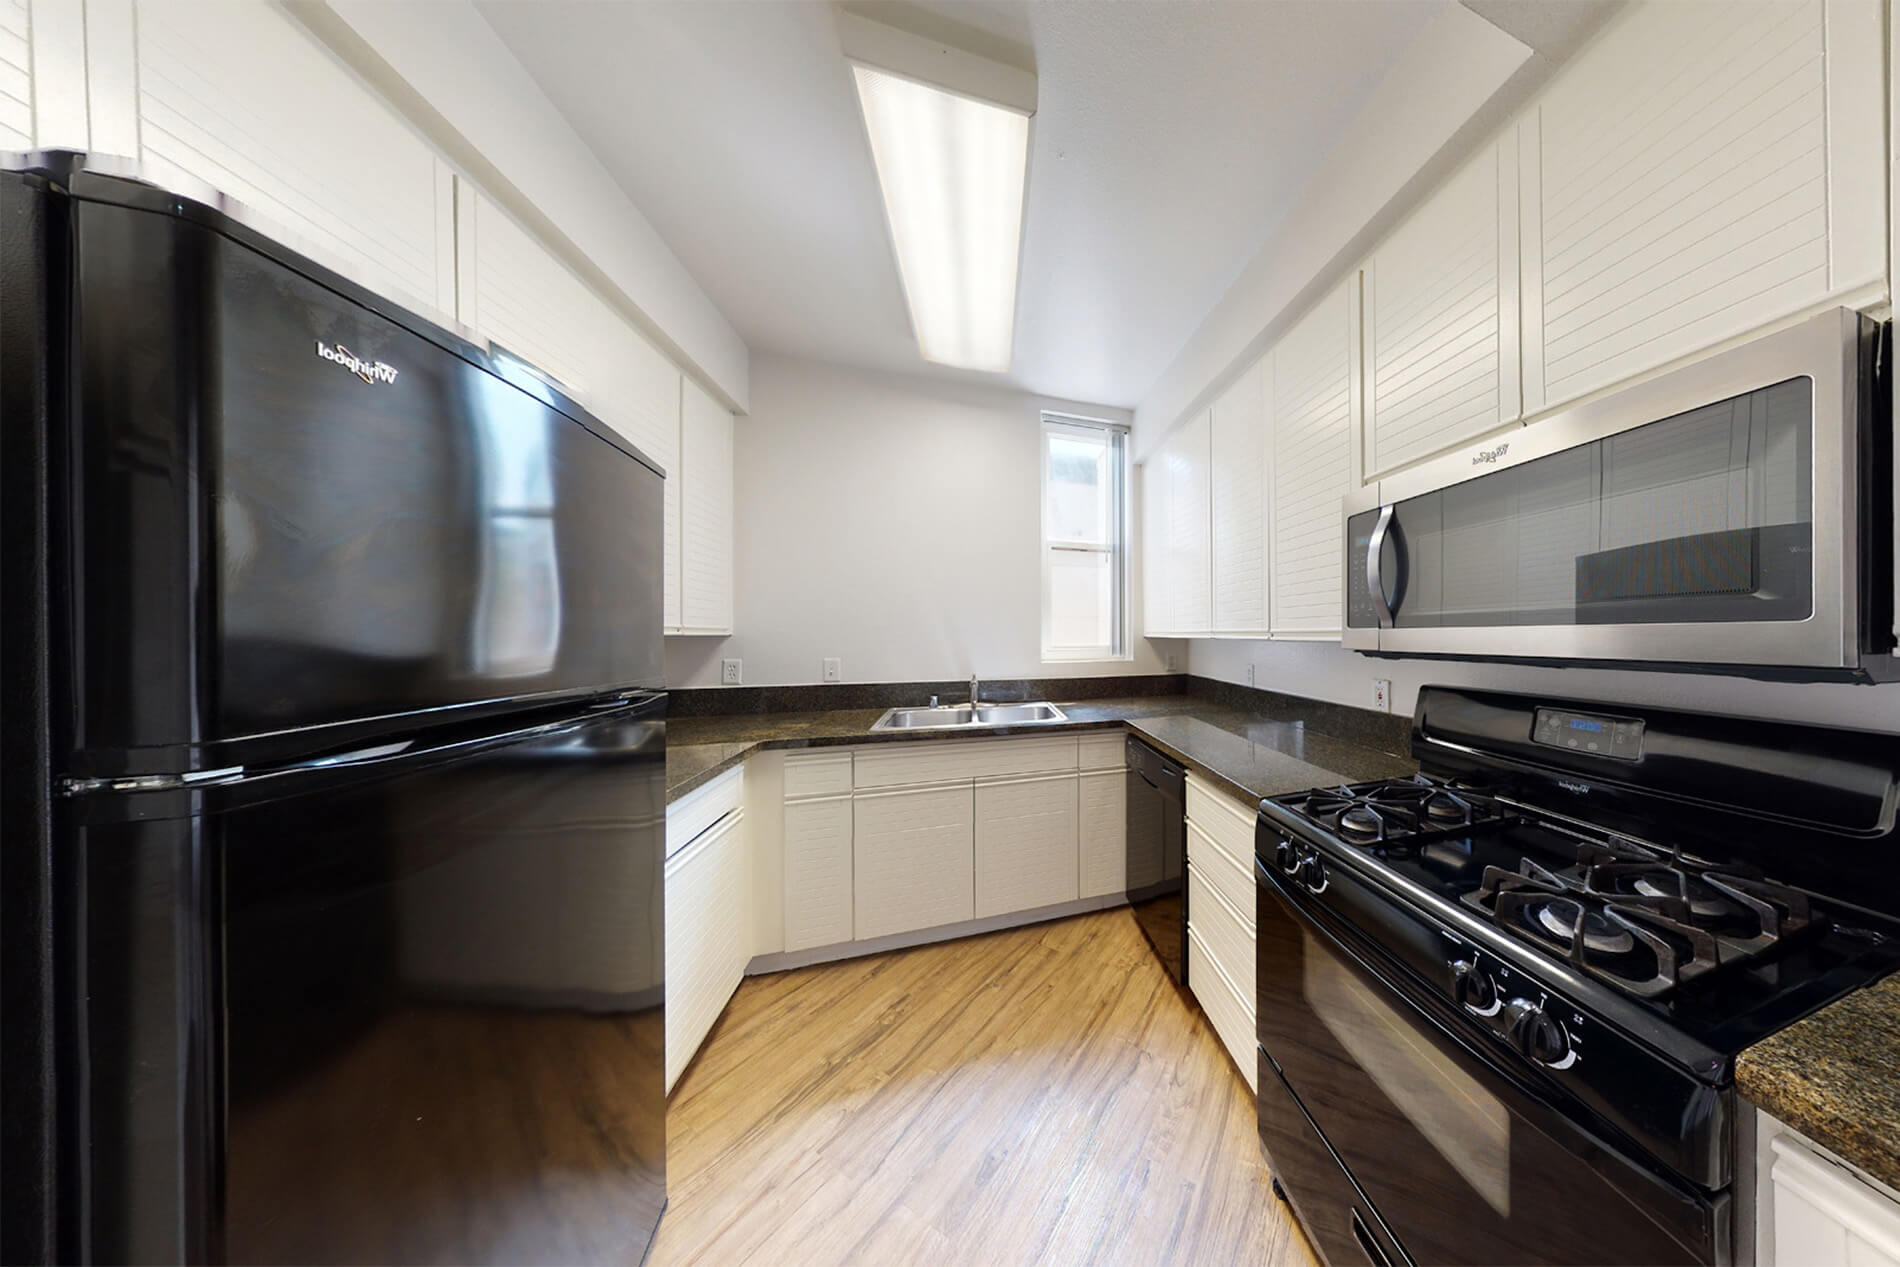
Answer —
1490 455
369 371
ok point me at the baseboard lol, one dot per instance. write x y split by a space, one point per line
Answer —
783 961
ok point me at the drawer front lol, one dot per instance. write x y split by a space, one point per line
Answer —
913 860
1228 822
702 807
1101 751
1230 875
817 872
1229 936
906 764
1220 999
817 774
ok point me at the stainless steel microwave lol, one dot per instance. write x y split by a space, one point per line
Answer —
1733 515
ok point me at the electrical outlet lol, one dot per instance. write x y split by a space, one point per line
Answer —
731 672
1250 675
1382 694
1171 667
834 669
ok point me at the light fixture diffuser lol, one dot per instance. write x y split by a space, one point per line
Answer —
952 170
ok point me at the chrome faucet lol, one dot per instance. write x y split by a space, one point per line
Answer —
975 688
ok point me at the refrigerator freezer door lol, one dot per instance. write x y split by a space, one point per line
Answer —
292 512
440 1009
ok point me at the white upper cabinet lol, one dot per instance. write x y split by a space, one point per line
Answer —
1441 318
1313 409
705 513
16 77
1240 477
1699 171
1189 471
238 96
1176 534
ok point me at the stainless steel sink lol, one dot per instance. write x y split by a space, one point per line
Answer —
963 717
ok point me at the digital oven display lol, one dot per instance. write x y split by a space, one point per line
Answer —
1617 737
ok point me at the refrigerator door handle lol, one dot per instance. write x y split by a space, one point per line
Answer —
403 753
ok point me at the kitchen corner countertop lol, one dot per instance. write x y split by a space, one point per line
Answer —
1251 758
1833 1078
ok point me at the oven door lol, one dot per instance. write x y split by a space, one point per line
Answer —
1461 1158
1707 517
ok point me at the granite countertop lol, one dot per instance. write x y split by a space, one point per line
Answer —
1832 1077
1248 756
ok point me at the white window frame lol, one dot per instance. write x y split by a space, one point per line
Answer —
1117 549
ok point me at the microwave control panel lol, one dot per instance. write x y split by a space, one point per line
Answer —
1619 737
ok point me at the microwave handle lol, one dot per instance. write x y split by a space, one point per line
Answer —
1375 584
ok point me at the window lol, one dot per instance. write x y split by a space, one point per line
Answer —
1084 539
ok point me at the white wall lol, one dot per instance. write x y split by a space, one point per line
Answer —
894 523
1325 670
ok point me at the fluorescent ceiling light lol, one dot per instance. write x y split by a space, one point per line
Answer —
952 170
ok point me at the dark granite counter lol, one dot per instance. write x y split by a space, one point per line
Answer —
1249 756
1833 1078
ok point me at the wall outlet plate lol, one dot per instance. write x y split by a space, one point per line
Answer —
731 672
1250 675
834 669
1171 667
1382 694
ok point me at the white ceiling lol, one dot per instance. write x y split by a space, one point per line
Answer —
1169 139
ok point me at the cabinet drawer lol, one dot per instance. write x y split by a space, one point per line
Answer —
1101 751
1233 1019
1227 822
1231 876
903 764
1229 934
702 807
817 773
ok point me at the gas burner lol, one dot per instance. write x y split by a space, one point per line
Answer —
1567 920
1396 809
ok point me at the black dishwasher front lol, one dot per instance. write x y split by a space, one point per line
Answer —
1157 854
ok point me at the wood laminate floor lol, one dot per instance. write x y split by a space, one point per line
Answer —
1040 1095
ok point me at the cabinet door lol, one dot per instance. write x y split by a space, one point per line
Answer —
1190 564
1240 474
1313 412
1103 831
1441 326
1154 544
1025 843
1696 173
240 97
706 936
817 872
1824 1216
16 78
705 513
913 859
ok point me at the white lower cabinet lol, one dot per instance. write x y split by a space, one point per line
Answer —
1820 1213
817 872
1102 828
1221 927
707 935
912 857
1026 854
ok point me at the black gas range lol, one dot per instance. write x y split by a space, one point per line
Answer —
1500 1001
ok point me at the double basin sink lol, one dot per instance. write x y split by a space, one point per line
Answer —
968 717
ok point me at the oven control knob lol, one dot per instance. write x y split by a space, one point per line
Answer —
1286 857
1473 987
1313 873
1537 1035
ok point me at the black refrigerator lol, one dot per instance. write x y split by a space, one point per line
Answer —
334 768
